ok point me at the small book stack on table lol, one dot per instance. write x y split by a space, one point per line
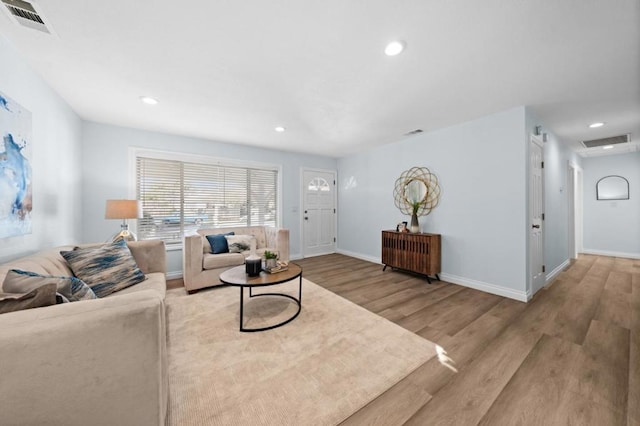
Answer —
276 269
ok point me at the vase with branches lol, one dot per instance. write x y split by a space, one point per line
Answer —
415 207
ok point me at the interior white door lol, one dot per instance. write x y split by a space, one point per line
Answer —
575 209
319 212
536 212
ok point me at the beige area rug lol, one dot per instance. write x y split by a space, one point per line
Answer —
317 370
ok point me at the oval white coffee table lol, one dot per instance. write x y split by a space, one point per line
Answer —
237 277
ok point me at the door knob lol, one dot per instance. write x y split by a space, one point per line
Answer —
535 226
306 218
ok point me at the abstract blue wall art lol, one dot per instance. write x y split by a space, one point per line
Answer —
15 169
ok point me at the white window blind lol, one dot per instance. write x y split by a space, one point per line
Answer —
179 197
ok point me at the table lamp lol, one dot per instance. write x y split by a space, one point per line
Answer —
124 209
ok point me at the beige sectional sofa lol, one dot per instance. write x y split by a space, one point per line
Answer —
90 362
202 269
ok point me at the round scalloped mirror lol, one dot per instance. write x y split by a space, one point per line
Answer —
416 193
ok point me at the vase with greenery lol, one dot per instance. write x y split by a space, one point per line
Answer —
415 226
270 259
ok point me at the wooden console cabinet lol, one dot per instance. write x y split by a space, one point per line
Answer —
414 252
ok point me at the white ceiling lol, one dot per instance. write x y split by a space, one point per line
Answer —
233 70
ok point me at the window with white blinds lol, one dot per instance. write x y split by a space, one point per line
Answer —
179 197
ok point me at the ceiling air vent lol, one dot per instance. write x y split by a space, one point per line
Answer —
613 140
26 15
413 132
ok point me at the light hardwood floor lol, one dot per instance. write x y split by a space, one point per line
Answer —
570 356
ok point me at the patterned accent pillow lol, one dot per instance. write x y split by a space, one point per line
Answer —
42 296
239 243
219 243
71 289
106 269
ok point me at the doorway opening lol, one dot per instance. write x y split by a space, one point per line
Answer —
574 185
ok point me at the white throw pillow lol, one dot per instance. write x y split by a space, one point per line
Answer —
239 243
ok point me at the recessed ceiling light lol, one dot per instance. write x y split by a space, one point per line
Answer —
607 147
598 124
280 129
394 48
148 100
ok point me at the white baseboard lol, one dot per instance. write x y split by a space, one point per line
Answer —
521 296
466 282
173 275
553 274
296 256
611 253
360 256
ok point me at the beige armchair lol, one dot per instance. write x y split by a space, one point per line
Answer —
201 268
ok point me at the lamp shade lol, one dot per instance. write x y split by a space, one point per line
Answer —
123 209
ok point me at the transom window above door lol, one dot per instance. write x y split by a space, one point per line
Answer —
319 184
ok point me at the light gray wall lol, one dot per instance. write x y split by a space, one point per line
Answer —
484 233
482 211
557 156
612 227
106 175
56 159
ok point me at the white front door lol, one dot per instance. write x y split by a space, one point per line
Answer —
318 212
536 204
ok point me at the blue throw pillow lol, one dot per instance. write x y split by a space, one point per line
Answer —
106 269
219 243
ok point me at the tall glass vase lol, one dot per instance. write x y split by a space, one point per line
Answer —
415 226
